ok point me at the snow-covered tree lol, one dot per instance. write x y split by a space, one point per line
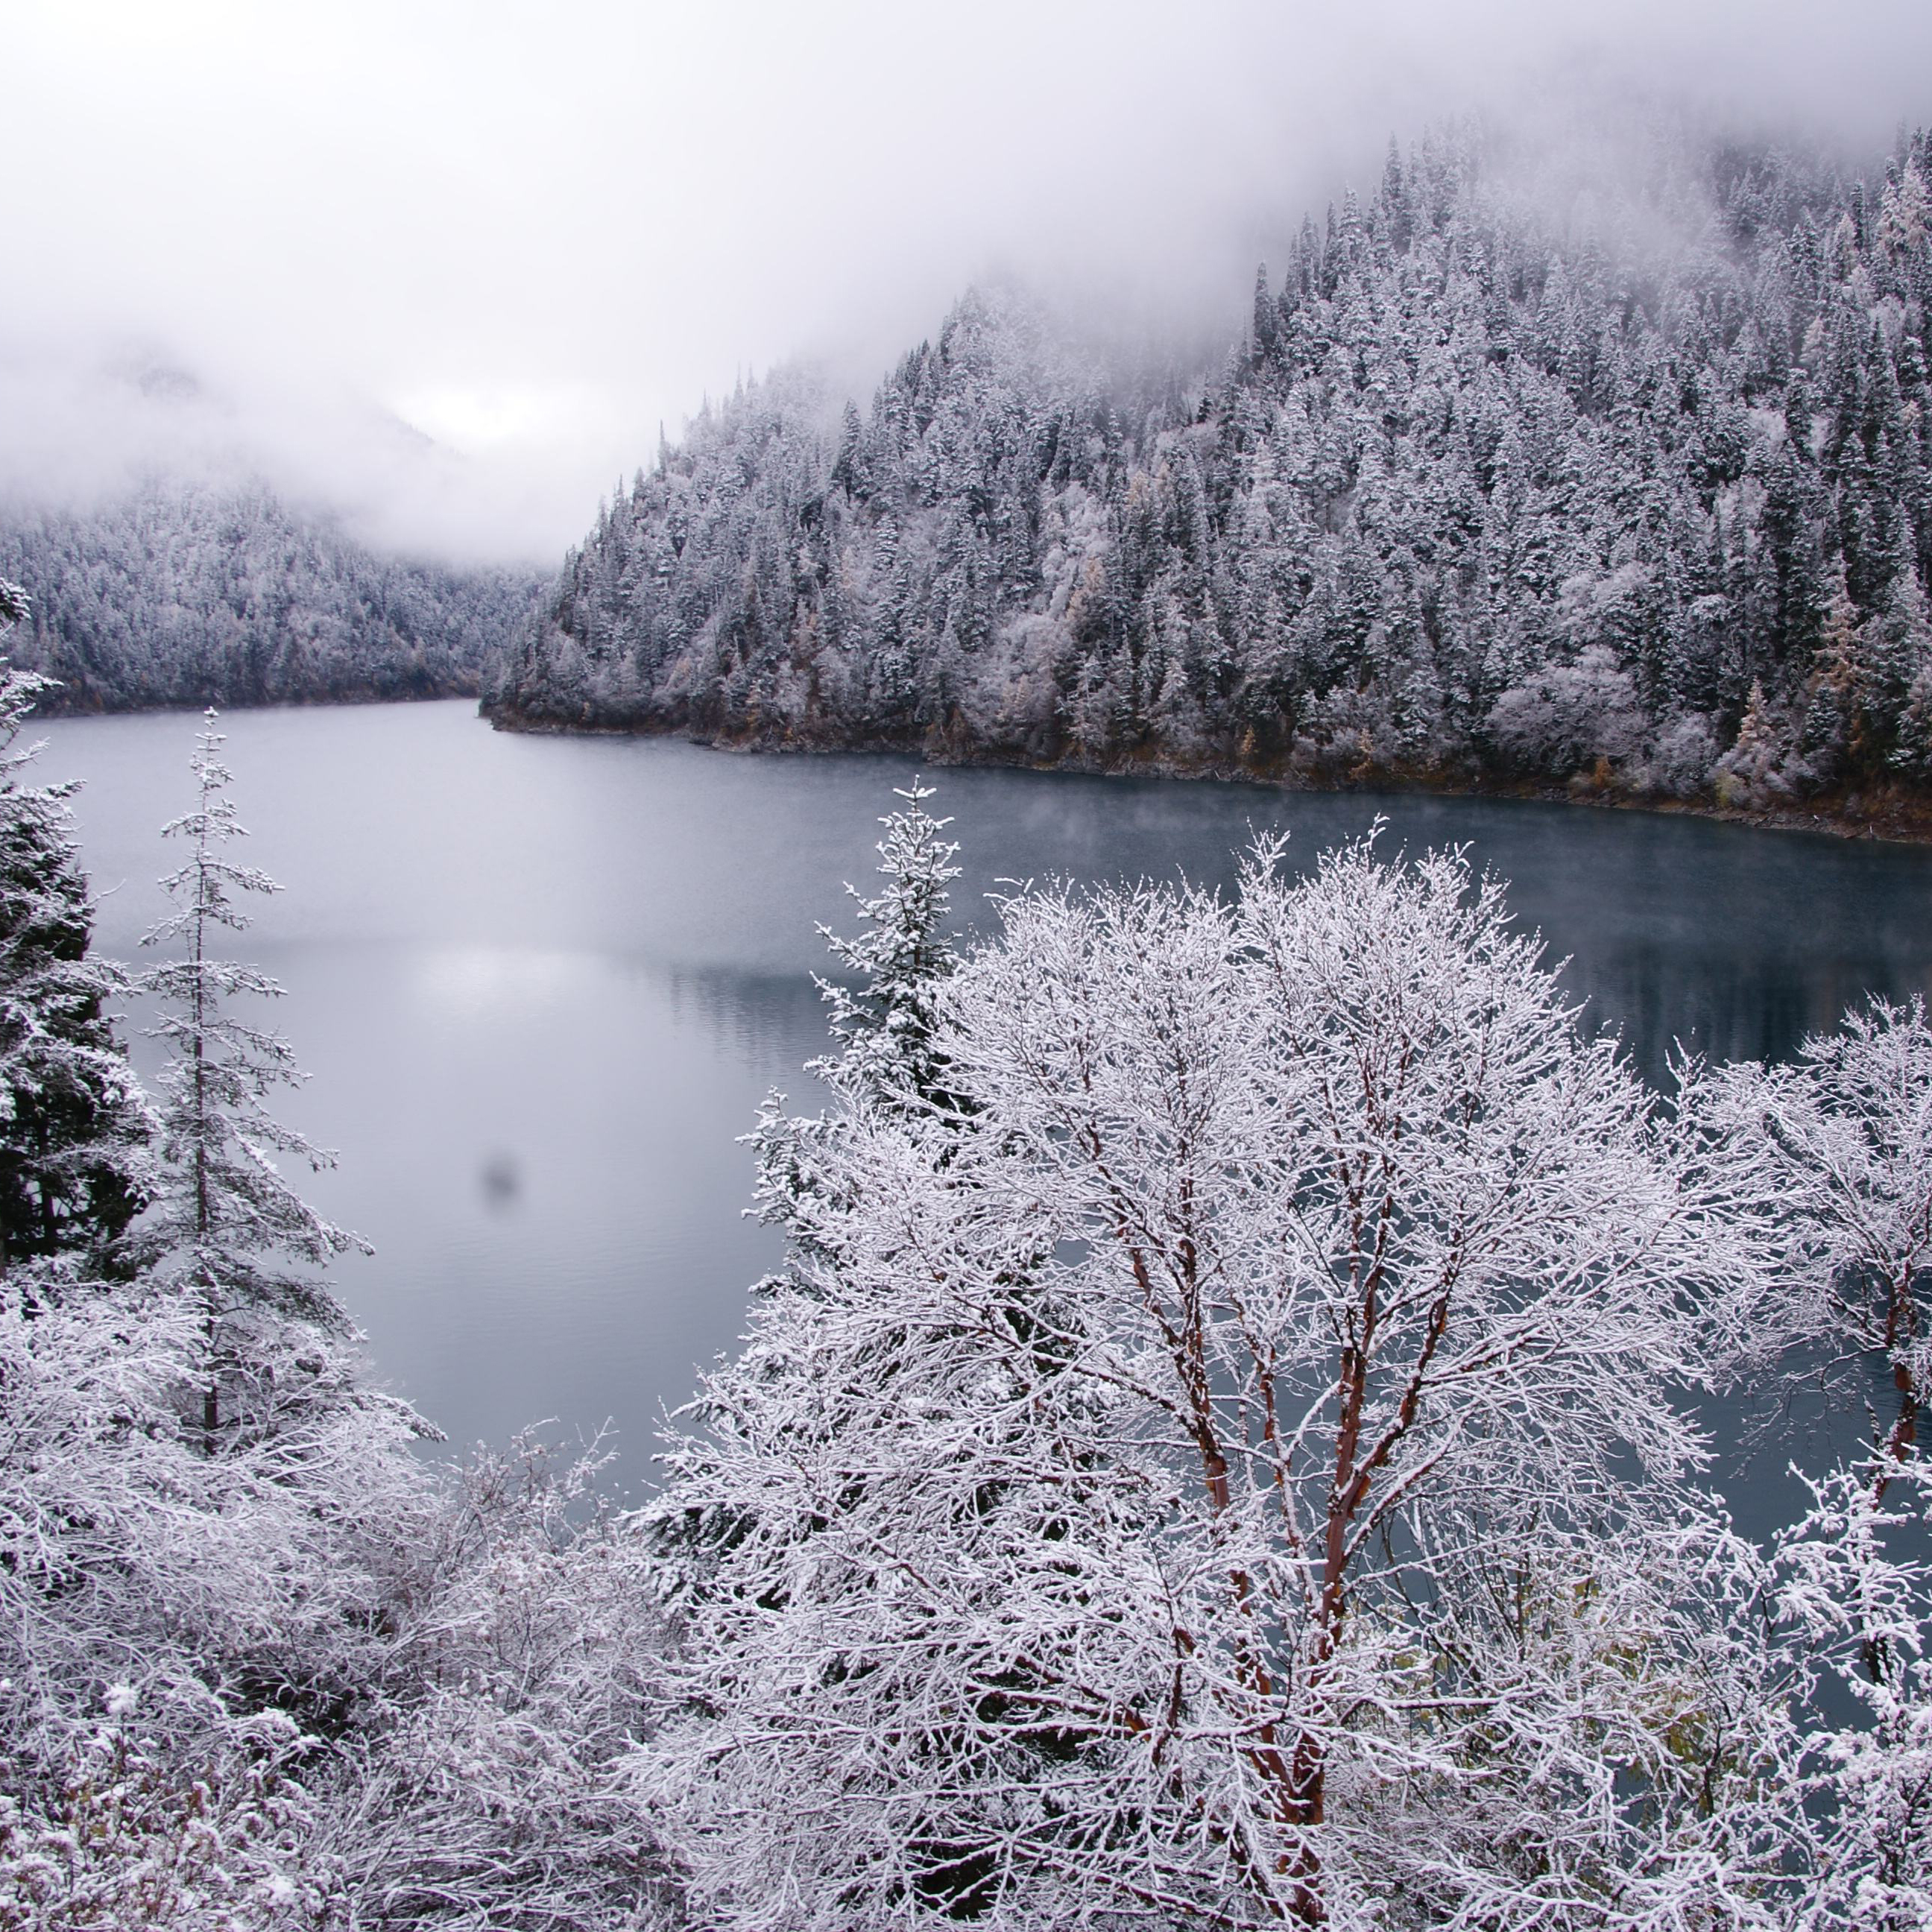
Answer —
1568 716
885 1018
1227 1467
73 1125
1842 1140
491 1795
1857 1593
226 1230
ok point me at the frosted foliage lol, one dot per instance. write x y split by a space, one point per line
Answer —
1570 715
1682 758
1227 1469
885 1019
304 1680
226 1228
72 1123
1843 1141
491 1798
173 1627
1861 1609
1481 494
181 593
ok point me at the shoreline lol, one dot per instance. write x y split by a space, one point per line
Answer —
1893 818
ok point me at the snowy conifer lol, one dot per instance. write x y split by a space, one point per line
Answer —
1456 504
226 1229
73 1124
899 961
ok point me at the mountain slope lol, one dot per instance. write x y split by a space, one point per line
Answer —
188 594
1643 502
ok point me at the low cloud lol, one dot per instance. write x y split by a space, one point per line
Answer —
448 267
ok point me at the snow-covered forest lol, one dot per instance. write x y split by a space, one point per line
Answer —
1625 485
184 592
1223 1450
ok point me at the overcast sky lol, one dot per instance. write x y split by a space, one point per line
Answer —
532 232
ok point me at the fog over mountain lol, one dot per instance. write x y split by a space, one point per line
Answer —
1522 471
534 238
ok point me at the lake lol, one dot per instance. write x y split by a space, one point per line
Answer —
542 984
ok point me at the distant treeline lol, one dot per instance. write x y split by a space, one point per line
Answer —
1637 498
190 594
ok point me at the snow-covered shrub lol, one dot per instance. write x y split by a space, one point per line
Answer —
1860 1606
1763 766
130 1837
487 1792
1679 764
1568 716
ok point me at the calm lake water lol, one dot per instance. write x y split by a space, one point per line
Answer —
542 984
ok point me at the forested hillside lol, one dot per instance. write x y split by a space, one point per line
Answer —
192 594
1632 493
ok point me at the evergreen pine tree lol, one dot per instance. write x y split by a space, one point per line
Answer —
226 1229
73 1124
885 1019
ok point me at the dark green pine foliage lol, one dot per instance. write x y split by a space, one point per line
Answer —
1487 490
73 1127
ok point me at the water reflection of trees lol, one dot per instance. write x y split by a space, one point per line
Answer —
1731 1005
773 1020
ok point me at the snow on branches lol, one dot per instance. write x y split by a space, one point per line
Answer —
1218 1454
1842 1140
1226 1467
886 1021
226 1228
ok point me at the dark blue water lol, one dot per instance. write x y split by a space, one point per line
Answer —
542 984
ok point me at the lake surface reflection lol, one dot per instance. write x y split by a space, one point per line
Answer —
542 983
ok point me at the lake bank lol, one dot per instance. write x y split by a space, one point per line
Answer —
1897 816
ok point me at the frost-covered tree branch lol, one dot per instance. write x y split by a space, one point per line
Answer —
1229 1467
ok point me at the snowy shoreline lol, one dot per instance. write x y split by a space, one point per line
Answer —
1898 818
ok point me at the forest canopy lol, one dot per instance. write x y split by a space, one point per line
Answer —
1632 494
187 593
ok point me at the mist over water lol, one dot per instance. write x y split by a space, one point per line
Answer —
542 984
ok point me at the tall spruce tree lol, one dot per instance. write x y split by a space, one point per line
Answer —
74 1127
885 1018
226 1228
